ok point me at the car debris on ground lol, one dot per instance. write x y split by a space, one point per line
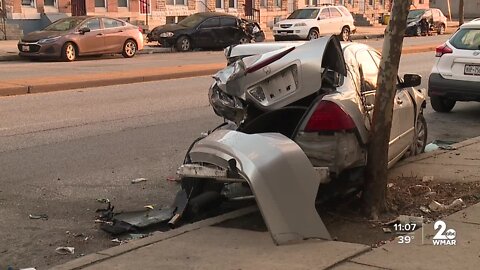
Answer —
138 180
65 250
439 144
436 206
38 216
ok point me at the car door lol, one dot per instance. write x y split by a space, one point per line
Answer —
115 35
230 32
323 22
94 41
403 118
208 33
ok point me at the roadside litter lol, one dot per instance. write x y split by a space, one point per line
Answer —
439 144
40 216
138 180
436 206
65 250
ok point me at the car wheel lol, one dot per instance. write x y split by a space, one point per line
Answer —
345 34
441 29
184 44
441 104
129 48
313 34
421 133
69 52
418 31
244 40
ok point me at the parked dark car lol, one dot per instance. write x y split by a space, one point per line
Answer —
207 30
70 37
425 21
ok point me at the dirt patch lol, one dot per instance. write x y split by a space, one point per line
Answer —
405 196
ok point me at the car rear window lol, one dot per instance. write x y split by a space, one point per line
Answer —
466 39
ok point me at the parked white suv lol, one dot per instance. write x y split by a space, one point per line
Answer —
456 73
311 22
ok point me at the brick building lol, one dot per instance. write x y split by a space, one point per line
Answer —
32 15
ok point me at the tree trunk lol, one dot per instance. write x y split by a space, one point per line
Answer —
374 200
461 13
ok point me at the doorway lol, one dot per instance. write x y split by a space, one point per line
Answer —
79 8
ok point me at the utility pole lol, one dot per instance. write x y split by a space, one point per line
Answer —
461 12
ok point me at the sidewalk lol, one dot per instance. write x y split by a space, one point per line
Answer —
205 246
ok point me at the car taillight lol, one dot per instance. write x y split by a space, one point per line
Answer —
328 116
140 29
443 49
268 61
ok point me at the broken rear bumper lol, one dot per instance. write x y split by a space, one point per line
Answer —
280 175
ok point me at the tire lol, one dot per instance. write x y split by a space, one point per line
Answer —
69 52
244 40
441 104
313 34
183 44
345 34
129 48
421 134
441 29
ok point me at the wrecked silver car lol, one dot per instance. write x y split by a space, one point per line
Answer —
297 120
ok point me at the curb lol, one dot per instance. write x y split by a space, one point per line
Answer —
155 238
436 152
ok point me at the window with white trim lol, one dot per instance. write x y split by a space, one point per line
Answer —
232 3
30 3
278 3
122 3
263 3
177 2
50 3
101 3
218 3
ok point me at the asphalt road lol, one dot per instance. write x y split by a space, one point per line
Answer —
108 64
61 151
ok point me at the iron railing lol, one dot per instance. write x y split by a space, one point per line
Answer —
252 14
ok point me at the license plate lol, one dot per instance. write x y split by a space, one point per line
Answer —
472 70
26 48
283 33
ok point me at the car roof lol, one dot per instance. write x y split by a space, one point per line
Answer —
475 23
213 14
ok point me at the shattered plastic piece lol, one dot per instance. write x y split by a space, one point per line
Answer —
387 230
390 185
173 178
427 178
41 216
134 236
439 144
149 207
431 147
404 219
103 200
30 268
65 250
138 180
425 209
118 241
436 206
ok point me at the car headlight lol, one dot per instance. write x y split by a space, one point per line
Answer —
48 40
300 24
166 34
411 24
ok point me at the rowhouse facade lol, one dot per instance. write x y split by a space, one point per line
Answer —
32 15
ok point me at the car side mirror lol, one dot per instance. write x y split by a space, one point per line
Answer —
83 30
411 80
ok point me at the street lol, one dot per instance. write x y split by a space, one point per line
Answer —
61 151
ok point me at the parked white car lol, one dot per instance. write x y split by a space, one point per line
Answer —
456 73
312 22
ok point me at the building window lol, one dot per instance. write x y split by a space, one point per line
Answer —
30 3
145 6
218 3
278 3
177 2
263 3
123 3
310 2
100 3
51 3
232 3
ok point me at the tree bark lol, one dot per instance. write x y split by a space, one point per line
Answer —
461 12
374 200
